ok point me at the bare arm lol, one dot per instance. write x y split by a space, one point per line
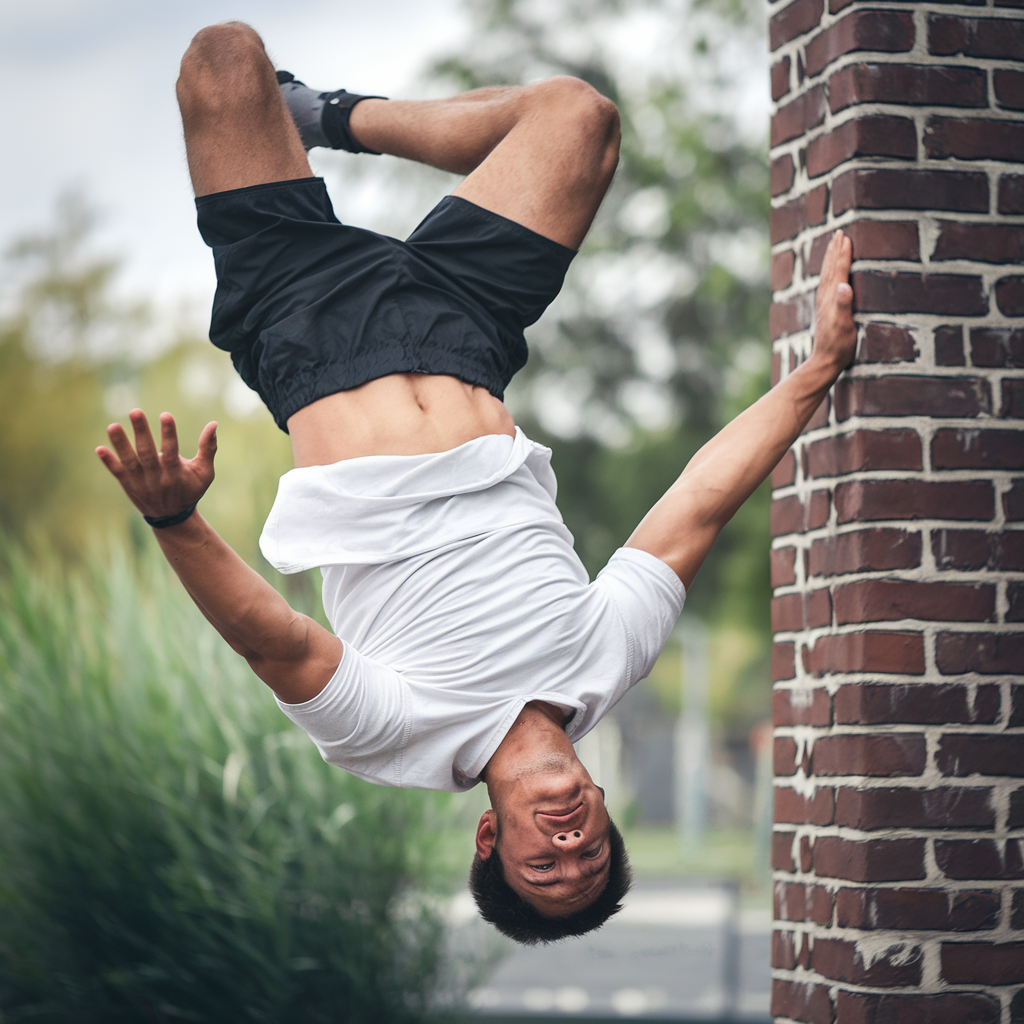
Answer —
683 525
291 653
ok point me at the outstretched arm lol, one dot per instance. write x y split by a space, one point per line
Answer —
683 525
291 653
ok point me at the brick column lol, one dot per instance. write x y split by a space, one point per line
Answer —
898 517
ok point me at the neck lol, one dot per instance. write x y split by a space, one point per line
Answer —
537 738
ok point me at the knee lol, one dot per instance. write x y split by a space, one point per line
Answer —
573 98
222 64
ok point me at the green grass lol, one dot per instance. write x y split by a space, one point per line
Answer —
171 848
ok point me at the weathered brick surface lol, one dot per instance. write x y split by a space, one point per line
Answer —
898 516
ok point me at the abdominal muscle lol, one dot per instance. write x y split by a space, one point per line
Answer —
400 414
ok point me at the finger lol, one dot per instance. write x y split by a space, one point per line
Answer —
110 460
144 443
207 446
120 443
168 439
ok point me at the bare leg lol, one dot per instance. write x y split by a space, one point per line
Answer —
238 131
542 155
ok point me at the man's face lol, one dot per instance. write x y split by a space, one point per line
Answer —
554 841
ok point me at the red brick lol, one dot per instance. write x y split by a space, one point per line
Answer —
790 219
781 174
1016 707
793 901
997 346
780 78
802 1001
880 31
884 755
793 809
806 854
973 139
906 807
785 472
983 963
985 653
802 706
949 345
1017 912
783 661
965 859
999 38
916 909
891 600
873 135
872 240
964 448
905 189
789 317
947 1008
911 395
810 610
784 755
915 704
794 20
782 270
1011 193
863 450
790 515
866 652
795 118
1015 604
865 500
840 960
1009 88
785 945
987 243
782 851
886 343
903 291
861 550
1010 295
907 83
1013 399
1015 819
783 569
1013 502
870 860
978 549
963 754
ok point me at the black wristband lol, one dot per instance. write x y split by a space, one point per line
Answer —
159 522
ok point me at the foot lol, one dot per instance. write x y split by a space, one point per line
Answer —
321 117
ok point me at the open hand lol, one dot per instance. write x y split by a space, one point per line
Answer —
835 334
159 483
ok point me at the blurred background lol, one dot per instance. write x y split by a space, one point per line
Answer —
170 848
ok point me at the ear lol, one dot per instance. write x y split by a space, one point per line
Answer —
486 833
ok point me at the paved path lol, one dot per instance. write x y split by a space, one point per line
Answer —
666 954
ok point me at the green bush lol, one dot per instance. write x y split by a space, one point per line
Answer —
171 848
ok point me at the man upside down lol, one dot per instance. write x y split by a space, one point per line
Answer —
468 644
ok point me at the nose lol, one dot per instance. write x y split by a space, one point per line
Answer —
568 840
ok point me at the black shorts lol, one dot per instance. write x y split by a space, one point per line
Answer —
308 306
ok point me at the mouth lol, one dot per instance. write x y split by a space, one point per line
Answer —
561 816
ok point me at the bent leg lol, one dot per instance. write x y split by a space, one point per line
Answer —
542 155
237 128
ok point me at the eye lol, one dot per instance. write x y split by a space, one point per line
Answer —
594 853
542 867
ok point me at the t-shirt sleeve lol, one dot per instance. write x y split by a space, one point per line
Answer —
649 596
360 720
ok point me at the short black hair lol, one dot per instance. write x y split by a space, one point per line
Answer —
513 916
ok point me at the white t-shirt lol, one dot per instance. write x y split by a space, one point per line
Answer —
454 587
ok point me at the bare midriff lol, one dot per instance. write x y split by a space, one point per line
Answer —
401 414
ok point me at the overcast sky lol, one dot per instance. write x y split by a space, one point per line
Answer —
90 104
